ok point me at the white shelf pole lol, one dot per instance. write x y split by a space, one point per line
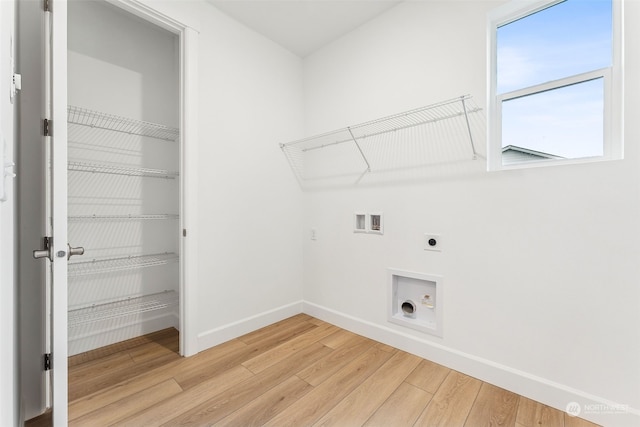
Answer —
360 150
466 117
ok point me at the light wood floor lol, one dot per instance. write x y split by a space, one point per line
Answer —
298 372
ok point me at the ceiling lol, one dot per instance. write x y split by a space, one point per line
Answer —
303 26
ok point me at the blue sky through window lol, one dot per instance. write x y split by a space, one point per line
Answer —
566 122
569 38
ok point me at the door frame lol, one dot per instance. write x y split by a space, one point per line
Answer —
188 100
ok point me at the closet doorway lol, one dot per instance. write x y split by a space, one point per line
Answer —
108 120
123 176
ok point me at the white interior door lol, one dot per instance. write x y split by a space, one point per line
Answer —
55 250
55 108
56 46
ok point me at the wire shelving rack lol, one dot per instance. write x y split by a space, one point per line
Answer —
129 217
121 308
451 120
108 265
98 120
112 169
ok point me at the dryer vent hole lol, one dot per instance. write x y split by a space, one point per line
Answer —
409 308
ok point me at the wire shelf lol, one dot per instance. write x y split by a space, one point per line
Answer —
121 170
108 265
438 132
106 218
94 119
121 308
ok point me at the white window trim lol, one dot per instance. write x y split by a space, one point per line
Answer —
613 87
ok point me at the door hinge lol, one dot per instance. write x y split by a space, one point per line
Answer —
16 85
47 5
47 361
184 232
47 127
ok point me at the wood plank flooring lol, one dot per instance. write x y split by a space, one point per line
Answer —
297 372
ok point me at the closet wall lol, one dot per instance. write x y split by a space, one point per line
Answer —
123 176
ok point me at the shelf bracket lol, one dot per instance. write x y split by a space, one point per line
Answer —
466 117
360 150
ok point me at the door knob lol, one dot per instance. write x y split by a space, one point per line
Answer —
43 253
74 251
46 252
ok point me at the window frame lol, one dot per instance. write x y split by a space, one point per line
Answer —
612 80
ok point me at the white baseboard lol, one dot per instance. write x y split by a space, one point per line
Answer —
233 330
593 408
103 333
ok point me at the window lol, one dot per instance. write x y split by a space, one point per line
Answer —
555 83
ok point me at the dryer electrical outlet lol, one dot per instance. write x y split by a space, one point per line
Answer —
432 242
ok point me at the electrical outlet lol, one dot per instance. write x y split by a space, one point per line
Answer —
432 242
314 234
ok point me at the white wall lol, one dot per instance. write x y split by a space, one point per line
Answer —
250 208
250 211
120 64
540 266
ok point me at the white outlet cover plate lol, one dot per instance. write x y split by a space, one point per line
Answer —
438 246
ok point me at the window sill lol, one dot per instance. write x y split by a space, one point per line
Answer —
553 162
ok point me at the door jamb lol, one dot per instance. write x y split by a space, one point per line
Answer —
188 99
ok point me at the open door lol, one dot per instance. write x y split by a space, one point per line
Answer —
55 135
9 412
57 17
56 251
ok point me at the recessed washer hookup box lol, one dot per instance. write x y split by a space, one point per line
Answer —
415 301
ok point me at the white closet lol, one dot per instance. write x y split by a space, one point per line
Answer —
124 176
